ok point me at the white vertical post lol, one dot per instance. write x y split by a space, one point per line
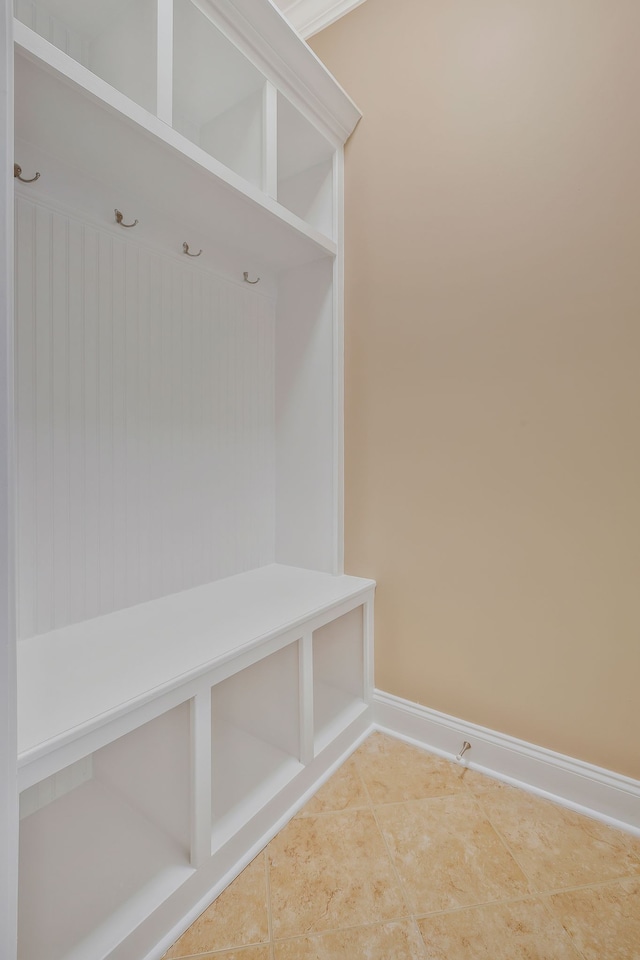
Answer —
367 636
201 777
338 362
8 710
305 660
270 141
164 90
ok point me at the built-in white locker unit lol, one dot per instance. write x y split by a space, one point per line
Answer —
192 662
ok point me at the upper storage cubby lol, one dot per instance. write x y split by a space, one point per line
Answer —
186 110
218 96
115 39
305 169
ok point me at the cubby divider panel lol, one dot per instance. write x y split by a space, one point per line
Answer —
115 39
338 675
111 846
255 738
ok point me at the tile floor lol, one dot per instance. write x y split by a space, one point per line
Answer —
404 856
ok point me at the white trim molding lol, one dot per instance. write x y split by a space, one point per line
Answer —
312 16
581 786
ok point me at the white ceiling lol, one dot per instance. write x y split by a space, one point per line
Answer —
310 16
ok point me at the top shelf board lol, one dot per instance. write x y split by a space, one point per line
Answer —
123 147
74 679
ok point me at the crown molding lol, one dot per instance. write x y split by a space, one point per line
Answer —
311 16
266 35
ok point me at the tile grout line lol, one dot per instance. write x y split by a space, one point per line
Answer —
465 791
334 930
543 896
331 813
538 894
536 887
506 901
594 885
546 907
223 951
534 895
505 844
411 918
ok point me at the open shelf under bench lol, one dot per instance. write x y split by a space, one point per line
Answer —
164 741
78 679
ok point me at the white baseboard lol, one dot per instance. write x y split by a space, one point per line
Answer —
581 786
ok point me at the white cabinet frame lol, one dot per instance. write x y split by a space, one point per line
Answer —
153 673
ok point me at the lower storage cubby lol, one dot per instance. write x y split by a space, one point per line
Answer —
115 847
102 848
338 675
256 719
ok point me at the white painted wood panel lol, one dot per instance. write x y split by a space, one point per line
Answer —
145 394
338 675
150 769
8 785
306 420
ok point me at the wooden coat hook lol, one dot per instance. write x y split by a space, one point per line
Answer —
120 220
185 247
17 172
246 278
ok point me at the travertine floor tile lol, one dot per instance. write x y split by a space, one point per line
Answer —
329 872
397 832
260 952
448 855
604 922
556 847
343 791
399 940
479 783
503 931
238 917
394 771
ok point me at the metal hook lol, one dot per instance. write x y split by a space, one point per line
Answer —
17 172
246 278
119 219
185 247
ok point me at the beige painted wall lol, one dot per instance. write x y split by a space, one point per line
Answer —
493 359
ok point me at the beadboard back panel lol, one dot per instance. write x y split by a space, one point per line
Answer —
145 422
